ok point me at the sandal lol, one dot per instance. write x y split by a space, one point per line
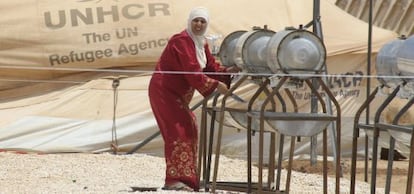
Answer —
178 186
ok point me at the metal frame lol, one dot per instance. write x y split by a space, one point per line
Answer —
408 129
378 127
265 115
205 153
296 117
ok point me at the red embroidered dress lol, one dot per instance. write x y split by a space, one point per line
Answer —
170 95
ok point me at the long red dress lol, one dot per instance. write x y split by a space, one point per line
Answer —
170 95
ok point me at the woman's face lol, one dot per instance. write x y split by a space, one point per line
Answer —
198 26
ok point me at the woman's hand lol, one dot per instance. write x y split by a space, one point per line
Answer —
222 88
233 69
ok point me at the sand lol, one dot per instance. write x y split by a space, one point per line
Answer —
109 173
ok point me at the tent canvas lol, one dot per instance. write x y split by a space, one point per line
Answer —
71 108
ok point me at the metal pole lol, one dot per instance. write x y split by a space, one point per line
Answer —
314 99
368 89
369 57
317 28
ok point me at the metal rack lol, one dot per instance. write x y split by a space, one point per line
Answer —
391 69
256 60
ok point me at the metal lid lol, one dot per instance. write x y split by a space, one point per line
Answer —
226 53
251 51
296 52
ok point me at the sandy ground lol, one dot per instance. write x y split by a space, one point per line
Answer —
399 177
108 173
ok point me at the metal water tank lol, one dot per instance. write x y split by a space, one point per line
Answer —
251 51
248 52
405 59
296 51
386 64
226 52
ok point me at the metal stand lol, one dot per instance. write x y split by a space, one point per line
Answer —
205 153
394 129
378 127
357 127
376 133
283 122
287 124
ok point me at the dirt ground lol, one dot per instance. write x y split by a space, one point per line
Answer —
107 173
398 181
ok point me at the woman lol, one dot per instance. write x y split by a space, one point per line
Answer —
179 72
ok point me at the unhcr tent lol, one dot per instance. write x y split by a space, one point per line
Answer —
58 62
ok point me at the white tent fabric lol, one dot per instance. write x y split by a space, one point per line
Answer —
78 116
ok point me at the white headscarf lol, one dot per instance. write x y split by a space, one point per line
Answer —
199 40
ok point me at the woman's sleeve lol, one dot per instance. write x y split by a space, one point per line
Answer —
186 55
213 66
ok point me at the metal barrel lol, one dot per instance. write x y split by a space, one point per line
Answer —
386 63
263 51
226 52
296 52
405 58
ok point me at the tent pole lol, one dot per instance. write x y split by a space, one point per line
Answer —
369 57
335 131
368 90
314 100
317 29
